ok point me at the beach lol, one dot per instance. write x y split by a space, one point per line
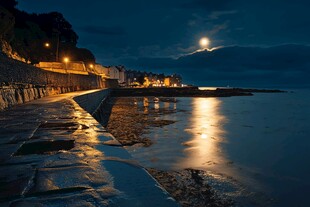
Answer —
130 122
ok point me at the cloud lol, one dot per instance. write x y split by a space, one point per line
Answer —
278 65
102 30
218 28
217 14
209 5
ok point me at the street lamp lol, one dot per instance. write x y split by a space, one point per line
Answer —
47 45
91 66
66 60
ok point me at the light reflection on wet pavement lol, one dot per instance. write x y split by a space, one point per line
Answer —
53 153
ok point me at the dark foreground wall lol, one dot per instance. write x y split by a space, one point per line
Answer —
20 82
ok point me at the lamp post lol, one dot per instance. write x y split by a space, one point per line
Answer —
57 48
91 67
66 60
47 45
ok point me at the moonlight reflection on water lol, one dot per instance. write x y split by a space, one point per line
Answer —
205 132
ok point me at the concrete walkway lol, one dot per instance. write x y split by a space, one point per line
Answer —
54 153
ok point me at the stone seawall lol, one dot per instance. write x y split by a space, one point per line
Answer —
91 102
97 104
20 82
18 94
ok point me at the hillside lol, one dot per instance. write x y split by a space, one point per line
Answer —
24 36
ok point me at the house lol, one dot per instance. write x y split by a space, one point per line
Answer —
122 75
174 80
101 70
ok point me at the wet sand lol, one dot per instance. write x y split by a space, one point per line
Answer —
129 122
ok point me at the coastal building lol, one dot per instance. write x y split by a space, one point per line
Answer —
134 78
174 80
149 79
113 72
146 82
101 70
122 75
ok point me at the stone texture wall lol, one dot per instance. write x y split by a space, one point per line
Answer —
91 102
97 104
18 94
20 82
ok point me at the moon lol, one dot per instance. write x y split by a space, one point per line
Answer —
204 42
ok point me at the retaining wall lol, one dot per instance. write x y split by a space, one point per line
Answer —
20 82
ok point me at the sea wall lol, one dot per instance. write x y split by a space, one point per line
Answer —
20 82
22 93
91 102
97 104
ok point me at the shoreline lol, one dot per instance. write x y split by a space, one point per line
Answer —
187 92
129 123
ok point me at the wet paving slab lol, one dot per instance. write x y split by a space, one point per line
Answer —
54 153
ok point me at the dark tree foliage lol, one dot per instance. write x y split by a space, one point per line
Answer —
76 54
55 24
8 4
29 32
85 55
140 79
7 22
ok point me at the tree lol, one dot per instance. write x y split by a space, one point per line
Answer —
7 22
8 4
140 79
55 24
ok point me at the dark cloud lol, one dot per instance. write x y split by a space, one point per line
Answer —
282 65
209 5
102 30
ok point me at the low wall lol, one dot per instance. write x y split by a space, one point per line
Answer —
13 71
91 102
20 82
18 94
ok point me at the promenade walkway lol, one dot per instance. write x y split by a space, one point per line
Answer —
54 153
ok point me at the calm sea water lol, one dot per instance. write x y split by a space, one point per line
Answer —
255 149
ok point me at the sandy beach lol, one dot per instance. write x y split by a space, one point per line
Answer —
129 122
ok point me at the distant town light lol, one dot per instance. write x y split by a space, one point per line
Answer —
47 44
91 65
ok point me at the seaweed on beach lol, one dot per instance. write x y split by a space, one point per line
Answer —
128 121
190 188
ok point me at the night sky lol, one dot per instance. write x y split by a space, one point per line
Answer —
260 43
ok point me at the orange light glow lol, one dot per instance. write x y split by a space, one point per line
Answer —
66 59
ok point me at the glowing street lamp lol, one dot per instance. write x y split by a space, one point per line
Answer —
66 60
48 45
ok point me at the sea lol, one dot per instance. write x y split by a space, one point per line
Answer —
254 149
